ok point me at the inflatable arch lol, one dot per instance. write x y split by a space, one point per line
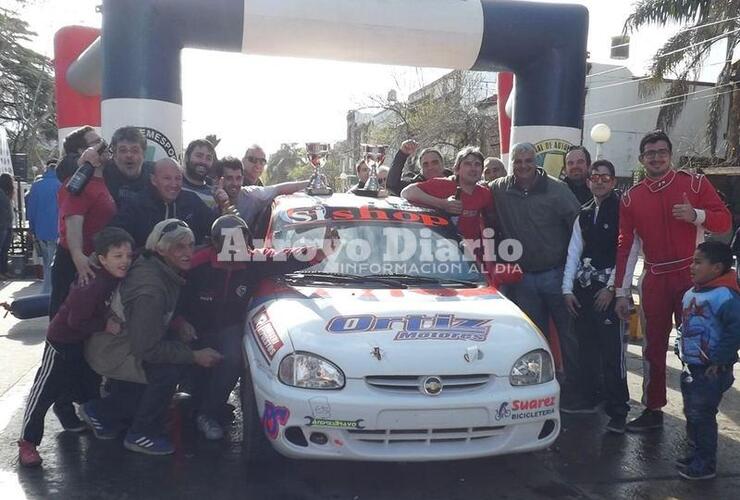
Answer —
133 69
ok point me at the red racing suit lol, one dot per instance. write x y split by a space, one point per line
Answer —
668 244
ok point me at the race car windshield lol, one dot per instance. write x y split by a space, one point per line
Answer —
402 251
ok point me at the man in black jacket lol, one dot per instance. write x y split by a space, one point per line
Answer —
430 162
127 174
164 199
214 300
588 290
577 165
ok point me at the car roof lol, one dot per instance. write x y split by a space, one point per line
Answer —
345 200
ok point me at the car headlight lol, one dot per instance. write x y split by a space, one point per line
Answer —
533 368
309 371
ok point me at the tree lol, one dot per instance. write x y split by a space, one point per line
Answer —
448 113
27 108
706 23
288 163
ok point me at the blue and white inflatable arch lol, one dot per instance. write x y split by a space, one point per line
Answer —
543 44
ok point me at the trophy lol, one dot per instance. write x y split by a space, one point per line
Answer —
317 153
374 156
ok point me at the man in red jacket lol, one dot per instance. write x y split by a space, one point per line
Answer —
666 214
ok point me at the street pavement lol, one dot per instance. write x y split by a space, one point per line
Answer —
585 462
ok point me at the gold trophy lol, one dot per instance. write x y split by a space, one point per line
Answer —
374 155
317 153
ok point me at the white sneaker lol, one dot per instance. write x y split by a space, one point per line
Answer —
209 427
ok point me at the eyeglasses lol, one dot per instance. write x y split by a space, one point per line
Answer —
254 159
600 177
171 227
656 152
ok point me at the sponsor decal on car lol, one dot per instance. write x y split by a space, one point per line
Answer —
503 411
273 417
334 423
267 337
318 213
521 409
414 326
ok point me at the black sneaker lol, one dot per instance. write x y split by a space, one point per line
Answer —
616 425
684 462
695 474
649 420
577 407
68 418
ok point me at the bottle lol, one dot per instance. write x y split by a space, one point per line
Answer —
458 196
80 178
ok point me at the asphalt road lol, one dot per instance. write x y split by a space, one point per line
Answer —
584 463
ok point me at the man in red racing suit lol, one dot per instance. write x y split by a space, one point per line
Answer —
666 214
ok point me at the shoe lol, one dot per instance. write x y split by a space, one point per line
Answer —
695 474
148 445
27 454
647 421
99 428
577 407
66 415
684 462
616 425
209 427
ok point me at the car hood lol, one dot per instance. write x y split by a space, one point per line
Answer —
397 332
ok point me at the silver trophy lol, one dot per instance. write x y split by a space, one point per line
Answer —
374 155
317 153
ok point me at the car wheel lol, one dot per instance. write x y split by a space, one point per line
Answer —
255 446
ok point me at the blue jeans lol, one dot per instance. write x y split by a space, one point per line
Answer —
47 248
539 295
144 405
701 398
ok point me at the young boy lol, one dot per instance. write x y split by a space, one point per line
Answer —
64 371
707 346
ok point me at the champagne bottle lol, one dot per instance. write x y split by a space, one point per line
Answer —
80 178
458 196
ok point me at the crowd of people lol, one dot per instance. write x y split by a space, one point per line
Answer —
133 301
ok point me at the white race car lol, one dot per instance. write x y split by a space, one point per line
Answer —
395 348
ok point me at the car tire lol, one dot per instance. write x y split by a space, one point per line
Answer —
255 446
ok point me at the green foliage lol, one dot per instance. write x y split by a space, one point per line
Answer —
706 23
27 108
286 164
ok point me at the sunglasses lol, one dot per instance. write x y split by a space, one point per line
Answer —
171 227
600 177
254 159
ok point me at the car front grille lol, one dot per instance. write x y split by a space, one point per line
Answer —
411 383
425 436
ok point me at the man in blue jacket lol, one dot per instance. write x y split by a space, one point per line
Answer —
42 213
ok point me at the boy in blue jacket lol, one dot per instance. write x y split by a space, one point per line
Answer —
707 345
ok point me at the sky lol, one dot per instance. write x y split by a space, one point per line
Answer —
246 99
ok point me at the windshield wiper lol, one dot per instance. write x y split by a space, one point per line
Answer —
388 281
411 279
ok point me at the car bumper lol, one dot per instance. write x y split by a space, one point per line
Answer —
361 422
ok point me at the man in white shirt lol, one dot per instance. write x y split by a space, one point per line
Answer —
588 290
251 200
